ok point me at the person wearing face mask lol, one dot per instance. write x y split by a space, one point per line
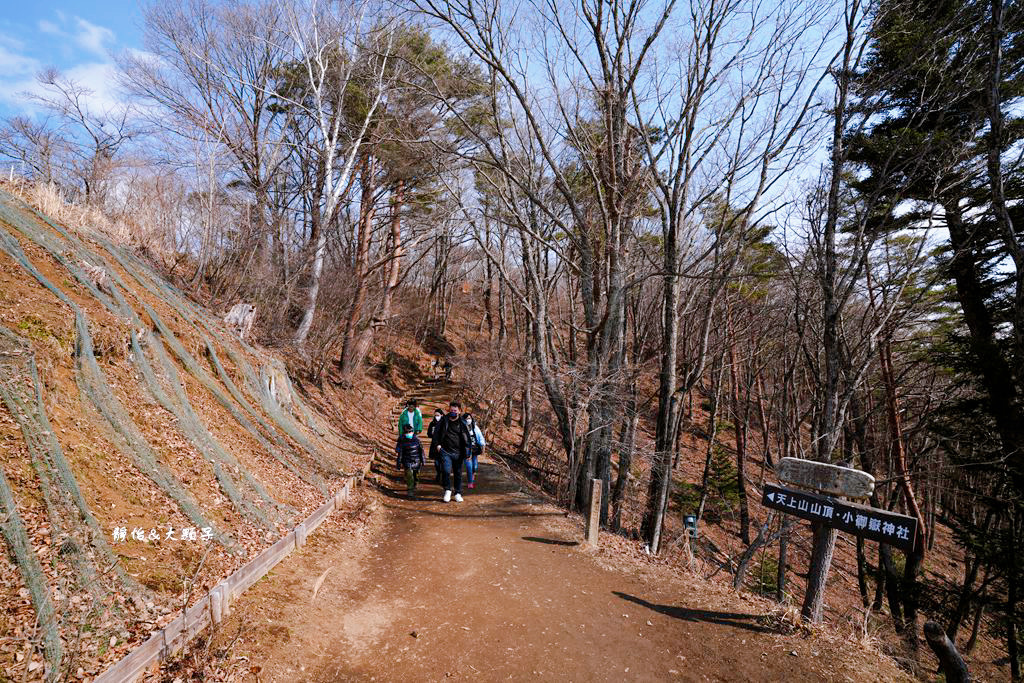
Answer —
476 447
410 416
432 435
452 447
409 454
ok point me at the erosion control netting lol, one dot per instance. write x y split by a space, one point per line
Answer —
92 382
84 560
262 404
162 380
271 387
207 329
12 365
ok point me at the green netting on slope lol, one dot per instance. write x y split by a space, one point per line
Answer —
32 571
225 378
96 390
225 464
46 438
226 467
198 318
197 431
72 526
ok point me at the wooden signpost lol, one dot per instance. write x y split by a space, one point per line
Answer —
816 505
899 531
826 478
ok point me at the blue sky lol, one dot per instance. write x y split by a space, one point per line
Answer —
75 36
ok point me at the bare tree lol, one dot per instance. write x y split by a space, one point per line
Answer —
328 45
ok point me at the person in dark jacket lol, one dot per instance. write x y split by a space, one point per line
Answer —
431 428
409 454
453 445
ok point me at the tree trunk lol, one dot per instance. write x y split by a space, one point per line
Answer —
1012 584
954 670
527 401
862 573
963 603
364 336
630 420
716 389
817 573
979 613
780 582
765 431
740 430
355 309
892 587
661 475
488 287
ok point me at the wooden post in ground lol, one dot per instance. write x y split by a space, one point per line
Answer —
594 514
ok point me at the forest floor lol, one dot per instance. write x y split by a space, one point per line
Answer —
501 586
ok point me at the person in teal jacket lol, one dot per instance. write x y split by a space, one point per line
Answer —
410 416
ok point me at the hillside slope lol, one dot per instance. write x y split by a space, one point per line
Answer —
146 450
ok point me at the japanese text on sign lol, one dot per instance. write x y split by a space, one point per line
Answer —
894 529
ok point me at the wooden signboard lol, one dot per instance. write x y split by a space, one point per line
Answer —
899 531
821 476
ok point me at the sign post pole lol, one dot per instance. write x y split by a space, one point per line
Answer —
594 514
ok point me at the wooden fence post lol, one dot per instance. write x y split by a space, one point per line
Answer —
594 514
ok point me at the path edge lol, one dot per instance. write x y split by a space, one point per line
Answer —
213 606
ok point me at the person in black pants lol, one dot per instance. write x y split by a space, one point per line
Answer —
434 455
453 443
409 457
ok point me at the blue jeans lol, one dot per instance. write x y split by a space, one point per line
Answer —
451 468
471 466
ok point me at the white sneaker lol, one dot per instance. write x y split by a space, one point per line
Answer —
448 496
458 497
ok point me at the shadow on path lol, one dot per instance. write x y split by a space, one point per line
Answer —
746 622
455 506
549 541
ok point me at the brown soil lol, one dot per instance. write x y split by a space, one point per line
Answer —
501 587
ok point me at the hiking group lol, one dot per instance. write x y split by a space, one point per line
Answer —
455 440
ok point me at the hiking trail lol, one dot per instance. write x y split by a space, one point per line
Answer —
498 587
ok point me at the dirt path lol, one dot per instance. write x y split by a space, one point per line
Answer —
495 588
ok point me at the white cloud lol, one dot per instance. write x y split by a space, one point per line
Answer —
50 28
79 48
17 73
12 43
13 64
92 37
101 79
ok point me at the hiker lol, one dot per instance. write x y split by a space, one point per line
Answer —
447 367
432 435
409 452
452 446
410 416
476 447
